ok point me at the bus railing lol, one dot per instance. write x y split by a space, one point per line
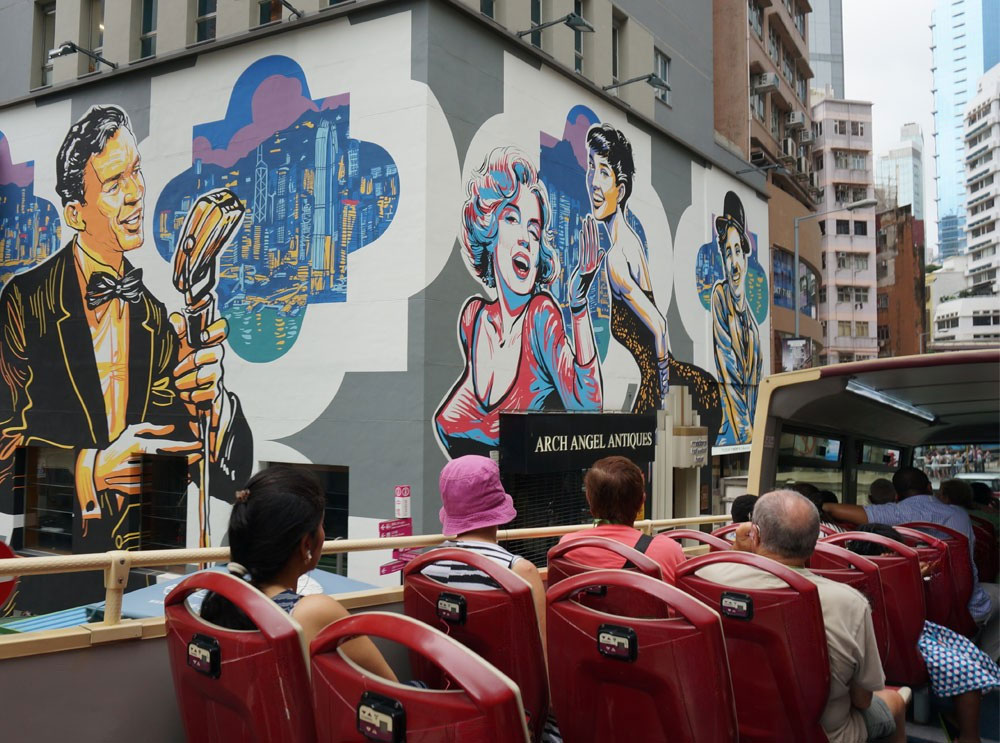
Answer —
116 565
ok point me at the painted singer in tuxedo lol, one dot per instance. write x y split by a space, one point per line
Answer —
90 360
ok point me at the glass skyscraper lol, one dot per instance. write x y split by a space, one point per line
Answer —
966 42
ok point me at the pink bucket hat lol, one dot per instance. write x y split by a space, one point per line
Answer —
473 496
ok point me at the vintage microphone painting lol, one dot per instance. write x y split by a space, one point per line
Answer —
208 228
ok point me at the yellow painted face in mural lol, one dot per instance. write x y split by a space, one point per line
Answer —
519 242
110 219
736 263
605 192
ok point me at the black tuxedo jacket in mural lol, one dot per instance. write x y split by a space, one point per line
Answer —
50 392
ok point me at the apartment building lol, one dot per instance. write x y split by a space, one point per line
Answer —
899 273
982 186
779 137
842 161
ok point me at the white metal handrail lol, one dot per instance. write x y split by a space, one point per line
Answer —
117 564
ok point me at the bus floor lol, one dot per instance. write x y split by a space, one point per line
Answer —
934 732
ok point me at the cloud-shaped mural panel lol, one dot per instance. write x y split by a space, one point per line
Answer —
313 195
29 226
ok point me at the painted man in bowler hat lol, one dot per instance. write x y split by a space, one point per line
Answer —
737 340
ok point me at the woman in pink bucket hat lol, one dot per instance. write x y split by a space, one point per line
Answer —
474 505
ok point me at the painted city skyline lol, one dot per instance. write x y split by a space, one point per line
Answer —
313 195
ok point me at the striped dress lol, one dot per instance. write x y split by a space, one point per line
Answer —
462 576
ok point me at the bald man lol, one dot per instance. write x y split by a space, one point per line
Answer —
784 527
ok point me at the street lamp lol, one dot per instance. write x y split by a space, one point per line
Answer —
863 204
652 78
574 20
68 47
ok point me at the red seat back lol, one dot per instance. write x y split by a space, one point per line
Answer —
723 532
499 625
961 574
776 638
617 678
607 598
903 589
482 704
859 572
986 552
237 684
715 544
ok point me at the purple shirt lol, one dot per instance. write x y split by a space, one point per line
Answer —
929 508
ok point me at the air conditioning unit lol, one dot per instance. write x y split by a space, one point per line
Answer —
789 149
795 120
765 82
806 136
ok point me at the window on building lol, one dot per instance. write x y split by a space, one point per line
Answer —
47 23
822 259
164 503
487 8
822 226
268 11
860 262
788 65
861 294
755 16
840 159
818 128
537 15
842 260
335 482
95 31
578 39
205 20
147 29
822 295
818 161
49 493
844 328
843 226
857 128
859 193
861 228
883 332
802 88
842 195
776 116
800 20
845 294
840 126
861 329
615 50
773 45
661 66
859 161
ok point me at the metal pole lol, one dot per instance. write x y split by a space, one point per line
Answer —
795 278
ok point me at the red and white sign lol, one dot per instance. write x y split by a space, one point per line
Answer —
392 567
402 501
406 554
395 528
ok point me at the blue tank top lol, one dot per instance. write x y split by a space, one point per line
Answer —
286 600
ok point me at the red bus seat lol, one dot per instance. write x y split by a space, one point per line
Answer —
617 678
776 638
497 624
482 705
961 573
903 589
714 543
724 532
940 593
238 684
844 566
986 551
607 598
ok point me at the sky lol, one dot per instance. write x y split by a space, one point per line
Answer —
887 60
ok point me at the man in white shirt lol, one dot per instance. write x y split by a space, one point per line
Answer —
784 528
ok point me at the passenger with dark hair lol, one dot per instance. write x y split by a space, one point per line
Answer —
815 496
916 503
881 491
829 496
742 508
276 536
956 493
616 491
957 668
984 505
785 528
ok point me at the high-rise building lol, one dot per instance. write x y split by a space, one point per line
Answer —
899 272
982 184
826 45
843 162
320 195
780 137
961 43
899 174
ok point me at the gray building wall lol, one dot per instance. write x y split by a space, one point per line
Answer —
17 39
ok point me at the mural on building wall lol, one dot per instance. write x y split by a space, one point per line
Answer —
90 360
586 179
29 226
736 285
312 194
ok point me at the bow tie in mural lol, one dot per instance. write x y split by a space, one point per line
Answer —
103 287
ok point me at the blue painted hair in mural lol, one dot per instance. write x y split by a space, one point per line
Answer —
610 143
494 185
86 138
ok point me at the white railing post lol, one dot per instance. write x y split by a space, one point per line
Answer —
115 581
